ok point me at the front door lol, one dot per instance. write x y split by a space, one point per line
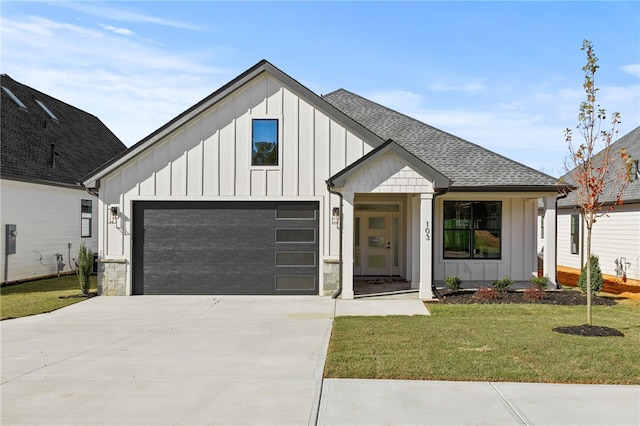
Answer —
377 243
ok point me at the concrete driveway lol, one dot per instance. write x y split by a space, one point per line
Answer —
167 360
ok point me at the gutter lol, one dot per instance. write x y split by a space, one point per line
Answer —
339 194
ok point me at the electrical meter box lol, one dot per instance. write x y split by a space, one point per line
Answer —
10 239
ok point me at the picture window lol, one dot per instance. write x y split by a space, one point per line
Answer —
264 142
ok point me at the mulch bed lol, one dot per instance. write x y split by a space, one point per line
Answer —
561 297
81 296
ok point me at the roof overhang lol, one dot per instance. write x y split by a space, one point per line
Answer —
440 181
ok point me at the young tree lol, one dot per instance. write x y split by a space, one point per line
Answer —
599 175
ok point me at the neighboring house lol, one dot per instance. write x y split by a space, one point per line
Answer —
615 237
264 187
47 145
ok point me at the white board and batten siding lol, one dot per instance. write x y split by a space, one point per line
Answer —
48 219
209 158
518 251
614 236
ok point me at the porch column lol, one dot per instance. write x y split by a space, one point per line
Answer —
347 245
425 233
550 245
415 242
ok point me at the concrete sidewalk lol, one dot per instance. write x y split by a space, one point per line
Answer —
239 360
398 402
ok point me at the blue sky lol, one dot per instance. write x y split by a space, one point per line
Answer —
504 75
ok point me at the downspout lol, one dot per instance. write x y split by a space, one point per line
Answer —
433 248
559 197
340 238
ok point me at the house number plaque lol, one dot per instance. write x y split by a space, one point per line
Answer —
427 231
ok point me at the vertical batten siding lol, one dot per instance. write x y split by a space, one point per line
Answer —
227 172
210 156
306 165
289 146
194 162
178 164
242 133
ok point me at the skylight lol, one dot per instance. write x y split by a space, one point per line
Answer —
44 107
14 97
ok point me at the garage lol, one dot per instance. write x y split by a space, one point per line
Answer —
225 248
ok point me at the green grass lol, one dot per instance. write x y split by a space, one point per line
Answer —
488 343
37 297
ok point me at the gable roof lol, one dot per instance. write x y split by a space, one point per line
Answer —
390 146
631 194
469 166
33 138
92 179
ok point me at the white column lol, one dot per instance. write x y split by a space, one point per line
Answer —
347 246
415 242
426 254
550 245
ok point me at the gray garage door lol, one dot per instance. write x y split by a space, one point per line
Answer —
225 248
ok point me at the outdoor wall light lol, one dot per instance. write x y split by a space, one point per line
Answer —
113 214
335 215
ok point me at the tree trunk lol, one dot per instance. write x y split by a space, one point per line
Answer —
589 224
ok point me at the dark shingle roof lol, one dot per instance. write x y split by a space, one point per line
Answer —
81 140
631 142
468 165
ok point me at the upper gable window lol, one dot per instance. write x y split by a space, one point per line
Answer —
264 142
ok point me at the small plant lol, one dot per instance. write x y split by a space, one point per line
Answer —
533 294
485 294
503 284
85 266
540 282
453 283
596 276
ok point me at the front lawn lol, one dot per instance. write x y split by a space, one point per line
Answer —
37 297
508 342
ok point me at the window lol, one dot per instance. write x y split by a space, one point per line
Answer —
86 212
14 97
264 142
47 110
575 234
472 229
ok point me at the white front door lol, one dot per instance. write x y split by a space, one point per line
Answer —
377 243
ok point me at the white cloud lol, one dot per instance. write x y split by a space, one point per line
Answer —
442 86
119 14
133 87
117 30
633 69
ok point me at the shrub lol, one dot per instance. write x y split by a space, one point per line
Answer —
503 284
484 294
540 282
452 283
533 294
85 266
596 276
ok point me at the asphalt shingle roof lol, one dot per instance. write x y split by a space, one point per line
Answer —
468 165
81 140
631 142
